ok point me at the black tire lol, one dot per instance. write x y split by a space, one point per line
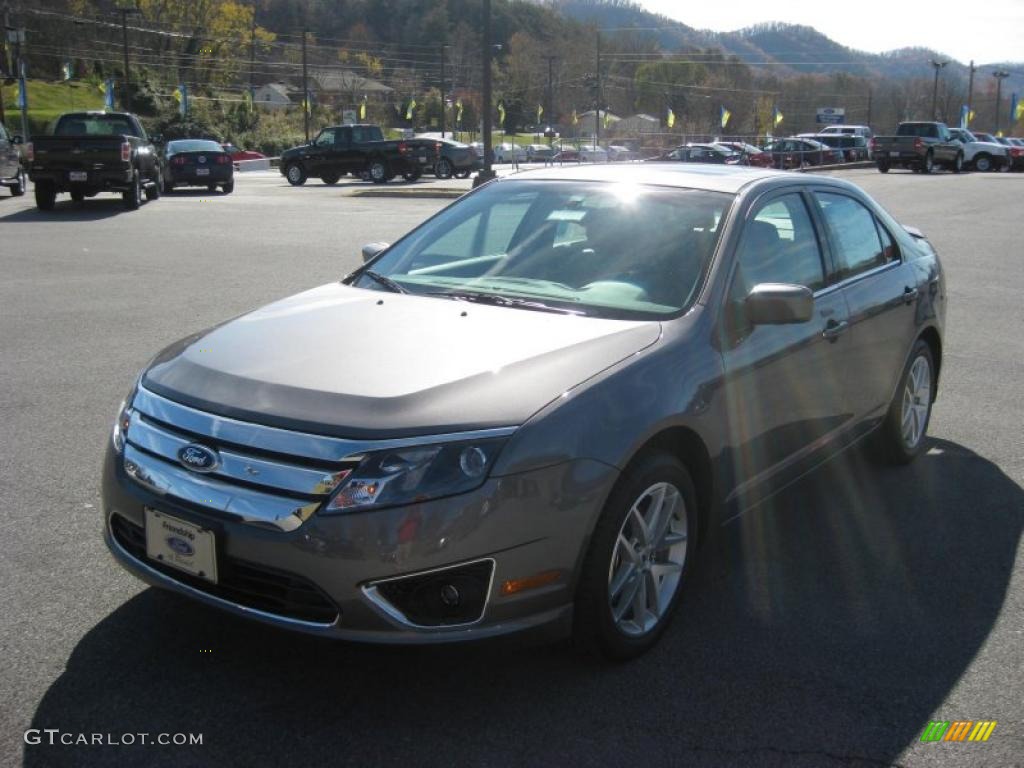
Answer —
889 441
153 190
411 176
444 169
929 162
131 198
958 164
883 167
46 195
77 195
330 178
19 187
295 174
594 628
378 171
462 174
983 163
168 186
211 187
228 188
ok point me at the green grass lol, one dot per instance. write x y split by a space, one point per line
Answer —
49 100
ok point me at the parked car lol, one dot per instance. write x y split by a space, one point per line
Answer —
237 155
577 375
701 153
851 147
509 153
749 154
620 153
591 154
566 155
455 159
93 152
478 147
980 154
197 163
540 153
920 146
1000 163
1016 153
847 130
12 170
360 150
801 153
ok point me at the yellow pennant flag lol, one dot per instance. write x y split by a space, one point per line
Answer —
540 112
411 108
671 122
726 114
575 118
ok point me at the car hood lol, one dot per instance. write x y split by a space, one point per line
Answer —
990 146
362 364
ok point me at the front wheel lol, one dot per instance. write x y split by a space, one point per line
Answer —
983 163
21 183
900 438
228 188
295 174
154 189
330 178
883 167
639 556
411 176
461 174
46 195
378 171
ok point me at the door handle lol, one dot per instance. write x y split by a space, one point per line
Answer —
910 295
834 330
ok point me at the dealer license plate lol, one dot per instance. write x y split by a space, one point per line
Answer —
181 544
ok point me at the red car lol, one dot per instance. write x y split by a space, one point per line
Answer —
242 154
752 155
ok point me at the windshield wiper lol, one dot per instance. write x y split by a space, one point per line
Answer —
387 282
498 300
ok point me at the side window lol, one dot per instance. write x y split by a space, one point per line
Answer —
779 246
326 138
854 235
889 250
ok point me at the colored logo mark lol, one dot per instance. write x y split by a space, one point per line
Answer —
958 730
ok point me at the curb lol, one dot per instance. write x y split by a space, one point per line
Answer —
442 194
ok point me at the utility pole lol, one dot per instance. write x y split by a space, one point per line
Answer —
5 64
306 106
597 111
999 75
970 87
442 90
935 88
252 60
124 44
487 173
17 36
550 95
870 94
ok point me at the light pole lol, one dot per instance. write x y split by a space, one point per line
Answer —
124 45
999 75
486 173
935 88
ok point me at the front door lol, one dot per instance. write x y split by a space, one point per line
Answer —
784 384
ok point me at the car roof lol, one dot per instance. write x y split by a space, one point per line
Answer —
713 178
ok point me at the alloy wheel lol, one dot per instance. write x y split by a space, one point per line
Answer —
647 561
917 393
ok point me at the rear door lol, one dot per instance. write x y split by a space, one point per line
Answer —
881 291
784 384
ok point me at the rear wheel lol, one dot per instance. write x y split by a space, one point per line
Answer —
443 169
228 188
929 162
883 167
77 195
412 176
900 438
46 195
330 177
638 559
462 174
154 189
295 174
378 171
131 198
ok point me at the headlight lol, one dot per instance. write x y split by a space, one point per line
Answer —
124 418
417 473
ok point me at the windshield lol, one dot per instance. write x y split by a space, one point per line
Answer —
593 248
193 145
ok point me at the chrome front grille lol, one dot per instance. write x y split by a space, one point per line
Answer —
264 476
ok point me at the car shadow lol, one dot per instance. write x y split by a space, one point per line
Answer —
67 211
824 627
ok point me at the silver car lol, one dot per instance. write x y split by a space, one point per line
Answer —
530 411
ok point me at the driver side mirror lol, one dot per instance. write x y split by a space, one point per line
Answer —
16 139
372 249
779 304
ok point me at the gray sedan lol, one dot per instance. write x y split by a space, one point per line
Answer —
530 411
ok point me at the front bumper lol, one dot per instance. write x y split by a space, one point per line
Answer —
536 522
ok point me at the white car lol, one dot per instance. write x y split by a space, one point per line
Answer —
979 153
593 154
509 153
853 130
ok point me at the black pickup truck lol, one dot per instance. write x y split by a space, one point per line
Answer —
92 152
360 150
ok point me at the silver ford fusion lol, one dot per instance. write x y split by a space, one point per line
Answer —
531 410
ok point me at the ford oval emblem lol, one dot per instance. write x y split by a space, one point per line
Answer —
199 458
180 546
202 158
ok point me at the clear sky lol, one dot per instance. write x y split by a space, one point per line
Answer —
987 31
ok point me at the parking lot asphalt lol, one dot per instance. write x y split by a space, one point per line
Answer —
825 628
